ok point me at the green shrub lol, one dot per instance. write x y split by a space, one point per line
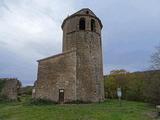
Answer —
3 98
41 102
78 102
26 90
2 83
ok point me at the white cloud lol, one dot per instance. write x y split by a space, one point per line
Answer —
32 21
30 29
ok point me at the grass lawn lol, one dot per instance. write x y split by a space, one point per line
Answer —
108 110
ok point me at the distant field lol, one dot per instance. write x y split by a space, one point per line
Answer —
108 110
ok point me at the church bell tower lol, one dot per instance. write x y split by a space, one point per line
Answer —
82 32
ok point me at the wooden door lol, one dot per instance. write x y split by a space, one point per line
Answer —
61 95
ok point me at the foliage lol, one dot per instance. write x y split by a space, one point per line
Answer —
155 59
41 102
152 91
108 110
78 102
2 83
3 98
26 90
121 71
110 87
135 87
138 86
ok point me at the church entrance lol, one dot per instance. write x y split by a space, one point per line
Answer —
61 95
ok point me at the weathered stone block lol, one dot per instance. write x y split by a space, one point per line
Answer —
10 88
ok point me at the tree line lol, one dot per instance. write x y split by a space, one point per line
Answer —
137 86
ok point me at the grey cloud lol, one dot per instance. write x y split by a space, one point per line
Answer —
2 4
28 33
32 31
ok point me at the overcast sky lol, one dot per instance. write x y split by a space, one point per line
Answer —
31 30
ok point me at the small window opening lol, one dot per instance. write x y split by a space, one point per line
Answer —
93 25
87 12
82 24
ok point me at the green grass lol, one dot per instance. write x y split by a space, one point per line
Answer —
108 110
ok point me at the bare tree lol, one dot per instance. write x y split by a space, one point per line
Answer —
155 59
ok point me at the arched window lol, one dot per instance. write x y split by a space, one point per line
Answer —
82 24
87 12
93 25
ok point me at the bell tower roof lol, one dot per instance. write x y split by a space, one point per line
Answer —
83 12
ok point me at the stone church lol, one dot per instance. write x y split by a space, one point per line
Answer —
76 74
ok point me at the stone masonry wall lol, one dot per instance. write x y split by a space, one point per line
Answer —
80 71
90 86
57 72
11 88
89 61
